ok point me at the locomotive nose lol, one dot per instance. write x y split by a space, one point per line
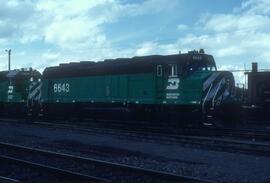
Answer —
218 101
217 89
229 87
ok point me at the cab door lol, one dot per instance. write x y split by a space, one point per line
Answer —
172 84
159 83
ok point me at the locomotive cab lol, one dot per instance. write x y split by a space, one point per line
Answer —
192 84
183 77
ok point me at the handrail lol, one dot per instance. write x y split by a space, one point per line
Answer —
206 97
213 100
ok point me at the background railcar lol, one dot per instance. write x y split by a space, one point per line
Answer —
258 87
16 92
170 86
258 95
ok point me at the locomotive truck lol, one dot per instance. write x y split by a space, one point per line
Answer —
181 88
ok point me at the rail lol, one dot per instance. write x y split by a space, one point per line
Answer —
8 180
116 171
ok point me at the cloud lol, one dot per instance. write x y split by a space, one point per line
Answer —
240 23
6 29
229 37
146 48
72 33
76 30
50 56
77 24
16 11
13 14
234 37
61 22
150 7
239 74
255 7
182 27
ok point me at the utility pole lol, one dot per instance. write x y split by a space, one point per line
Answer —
9 53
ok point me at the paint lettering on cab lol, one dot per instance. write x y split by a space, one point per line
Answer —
61 87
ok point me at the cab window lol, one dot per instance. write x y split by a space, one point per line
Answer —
172 70
213 68
159 70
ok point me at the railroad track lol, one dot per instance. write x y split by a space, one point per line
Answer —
210 138
204 142
245 133
148 127
43 164
8 180
25 171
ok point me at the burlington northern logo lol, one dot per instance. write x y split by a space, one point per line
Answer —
173 84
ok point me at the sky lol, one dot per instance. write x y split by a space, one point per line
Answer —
44 33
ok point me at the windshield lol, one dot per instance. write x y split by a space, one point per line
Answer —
201 67
207 68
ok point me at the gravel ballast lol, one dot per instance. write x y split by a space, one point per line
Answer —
172 158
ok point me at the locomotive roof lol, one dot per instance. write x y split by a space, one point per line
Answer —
134 65
6 75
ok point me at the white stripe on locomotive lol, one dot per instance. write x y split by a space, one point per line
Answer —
36 93
210 80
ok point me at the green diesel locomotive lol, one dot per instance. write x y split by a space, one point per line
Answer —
19 91
181 87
